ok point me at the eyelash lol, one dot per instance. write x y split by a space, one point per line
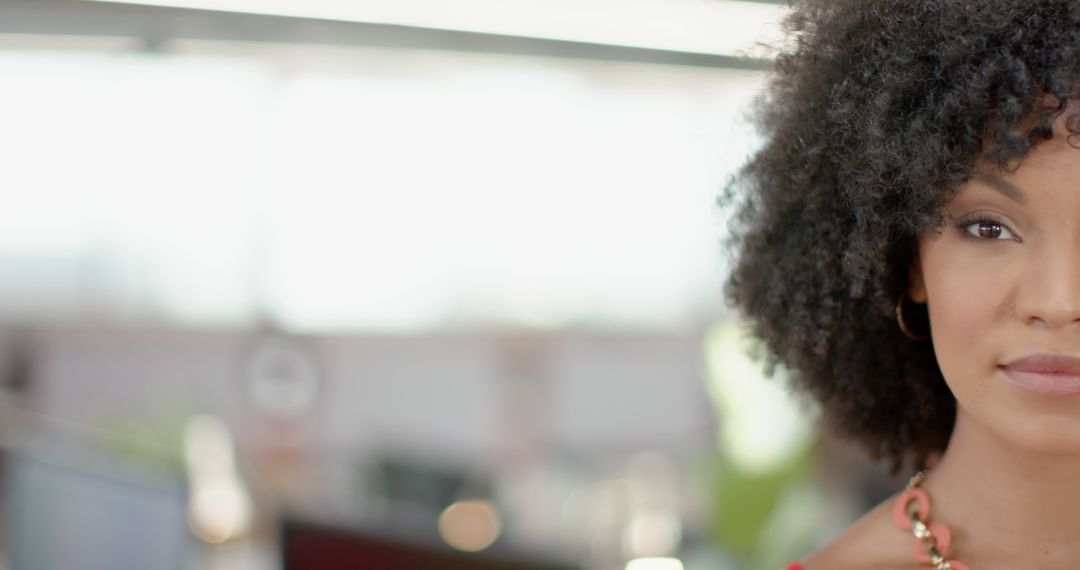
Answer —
965 224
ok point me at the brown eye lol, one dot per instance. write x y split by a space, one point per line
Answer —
989 230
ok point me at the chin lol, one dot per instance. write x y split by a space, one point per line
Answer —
1046 434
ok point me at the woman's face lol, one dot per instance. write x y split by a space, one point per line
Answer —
1002 284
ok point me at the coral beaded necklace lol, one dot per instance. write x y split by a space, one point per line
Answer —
932 541
911 512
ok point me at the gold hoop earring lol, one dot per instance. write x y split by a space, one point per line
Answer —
903 325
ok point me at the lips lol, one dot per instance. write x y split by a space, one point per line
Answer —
1045 374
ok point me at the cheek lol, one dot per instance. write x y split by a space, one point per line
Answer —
958 301
966 296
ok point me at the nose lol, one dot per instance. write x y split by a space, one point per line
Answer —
1049 294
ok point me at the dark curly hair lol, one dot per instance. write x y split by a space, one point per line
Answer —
877 111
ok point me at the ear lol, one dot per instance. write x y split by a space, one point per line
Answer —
916 284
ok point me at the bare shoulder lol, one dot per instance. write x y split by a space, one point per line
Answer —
872 543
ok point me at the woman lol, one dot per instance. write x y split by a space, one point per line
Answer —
909 247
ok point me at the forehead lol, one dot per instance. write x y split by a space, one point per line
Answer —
1050 164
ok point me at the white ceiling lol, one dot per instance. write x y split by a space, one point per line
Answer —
723 27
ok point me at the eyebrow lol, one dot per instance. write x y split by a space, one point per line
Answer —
1007 188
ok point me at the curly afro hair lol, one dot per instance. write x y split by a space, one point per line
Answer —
877 111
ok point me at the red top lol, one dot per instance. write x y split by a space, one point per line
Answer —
795 566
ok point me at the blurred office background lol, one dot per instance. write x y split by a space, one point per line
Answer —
389 284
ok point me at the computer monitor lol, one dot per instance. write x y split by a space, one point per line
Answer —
308 545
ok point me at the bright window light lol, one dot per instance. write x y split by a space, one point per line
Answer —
725 27
394 190
655 564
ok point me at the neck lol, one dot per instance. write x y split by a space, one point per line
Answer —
1004 501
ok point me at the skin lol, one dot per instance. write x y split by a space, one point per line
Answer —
1001 280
